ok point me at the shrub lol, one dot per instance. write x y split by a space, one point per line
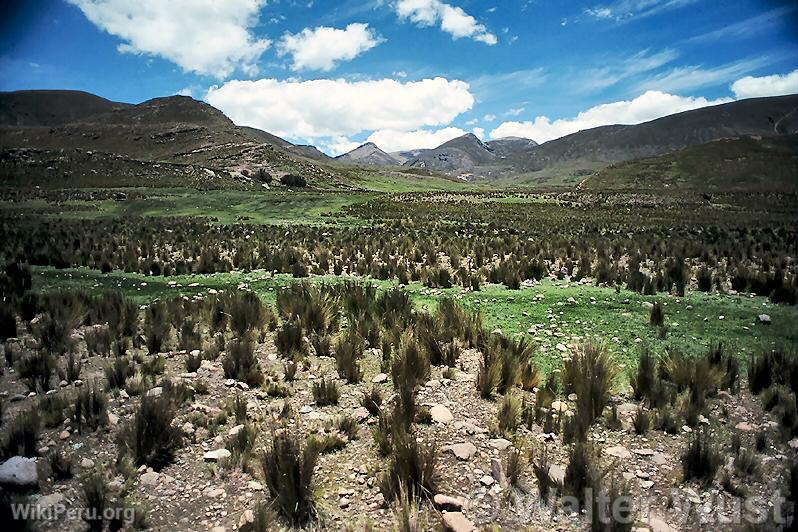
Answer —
150 439
91 407
325 392
154 365
37 369
288 470
747 463
700 460
138 384
21 435
293 180
241 364
98 341
239 408
667 422
382 434
411 466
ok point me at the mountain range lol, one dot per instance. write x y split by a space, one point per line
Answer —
196 137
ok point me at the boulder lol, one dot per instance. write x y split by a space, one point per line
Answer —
217 455
463 451
19 472
619 451
445 503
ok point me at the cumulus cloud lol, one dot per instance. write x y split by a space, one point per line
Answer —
337 107
648 106
452 19
322 48
202 36
756 87
391 140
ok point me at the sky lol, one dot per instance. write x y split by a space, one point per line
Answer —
408 74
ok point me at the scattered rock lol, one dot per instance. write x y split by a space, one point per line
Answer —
380 378
149 479
619 451
744 426
457 522
463 451
764 319
441 414
217 455
446 503
487 480
500 444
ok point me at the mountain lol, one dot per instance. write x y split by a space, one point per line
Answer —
574 156
750 164
458 156
368 154
170 130
508 146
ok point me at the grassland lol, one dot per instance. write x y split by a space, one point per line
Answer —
561 312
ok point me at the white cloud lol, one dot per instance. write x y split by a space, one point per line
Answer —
202 36
695 77
392 140
515 112
338 145
775 85
337 107
490 117
322 48
648 106
452 19
185 91
479 132
624 10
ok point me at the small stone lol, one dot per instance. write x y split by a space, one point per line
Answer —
445 503
149 479
254 485
441 414
344 502
463 451
487 480
643 452
497 470
557 473
87 463
64 435
500 443
154 392
457 522
619 451
217 455
744 426
361 414
233 432
380 378
247 518
764 319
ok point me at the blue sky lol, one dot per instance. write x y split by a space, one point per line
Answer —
409 73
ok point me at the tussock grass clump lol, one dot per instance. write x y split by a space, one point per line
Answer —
241 364
372 401
423 415
36 370
96 498
509 414
52 409
747 463
348 352
98 341
611 509
590 374
514 466
72 368
701 460
150 439
91 407
410 365
548 487
666 421
21 435
193 362
582 473
288 466
117 372
644 380
641 421
411 466
289 339
61 465
489 375
325 392
657 316
247 313
290 368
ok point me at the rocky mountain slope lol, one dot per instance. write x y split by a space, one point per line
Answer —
368 154
762 164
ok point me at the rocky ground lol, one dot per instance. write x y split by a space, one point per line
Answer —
204 489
